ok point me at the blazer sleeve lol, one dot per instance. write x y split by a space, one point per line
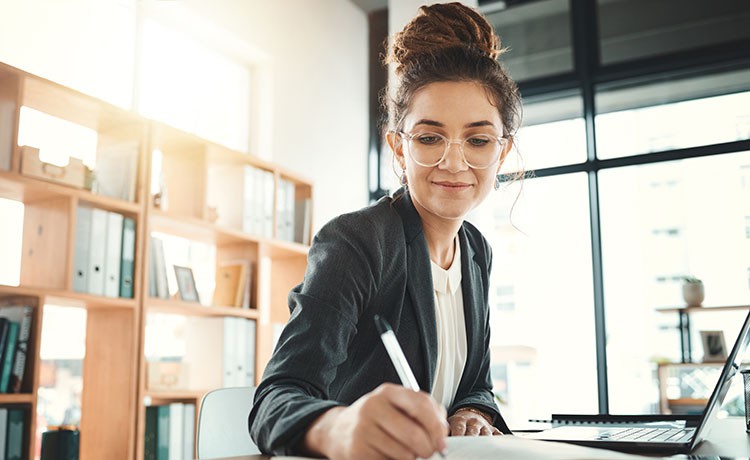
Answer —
342 274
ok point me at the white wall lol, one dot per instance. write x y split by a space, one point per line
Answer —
317 66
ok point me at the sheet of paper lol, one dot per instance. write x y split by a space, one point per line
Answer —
513 447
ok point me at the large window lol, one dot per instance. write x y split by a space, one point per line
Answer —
539 335
637 137
661 222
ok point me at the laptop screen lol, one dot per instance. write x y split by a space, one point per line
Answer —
731 368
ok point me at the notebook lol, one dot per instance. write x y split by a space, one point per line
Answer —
651 433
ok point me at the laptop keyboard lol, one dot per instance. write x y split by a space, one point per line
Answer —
648 434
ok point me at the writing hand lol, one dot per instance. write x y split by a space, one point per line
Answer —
467 423
391 422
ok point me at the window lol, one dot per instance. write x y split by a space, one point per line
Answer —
700 202
553 134
537 36
635 29
541 269
673 115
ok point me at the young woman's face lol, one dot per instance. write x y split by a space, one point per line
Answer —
456 111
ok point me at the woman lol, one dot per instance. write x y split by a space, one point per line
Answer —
330 388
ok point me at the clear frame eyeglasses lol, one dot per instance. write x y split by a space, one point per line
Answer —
478 151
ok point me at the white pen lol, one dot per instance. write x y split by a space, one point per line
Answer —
397 357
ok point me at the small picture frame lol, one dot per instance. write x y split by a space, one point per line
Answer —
186 284
714 347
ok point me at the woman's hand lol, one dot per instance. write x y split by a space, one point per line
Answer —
391 422
466 422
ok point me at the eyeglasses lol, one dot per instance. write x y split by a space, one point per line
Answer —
478 151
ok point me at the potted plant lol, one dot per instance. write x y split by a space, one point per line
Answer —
692 291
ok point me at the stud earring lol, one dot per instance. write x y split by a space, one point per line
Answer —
497 182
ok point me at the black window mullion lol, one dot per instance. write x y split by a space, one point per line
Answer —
584 24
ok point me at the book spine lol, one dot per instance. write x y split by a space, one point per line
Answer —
14 441
10 352
162 433
3 431
22 350
150 436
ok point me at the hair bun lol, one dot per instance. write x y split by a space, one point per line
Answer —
440 26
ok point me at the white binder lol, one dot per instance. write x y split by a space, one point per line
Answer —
82 244
97 251
113 255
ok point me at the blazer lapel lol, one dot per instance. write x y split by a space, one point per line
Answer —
472 287
419 285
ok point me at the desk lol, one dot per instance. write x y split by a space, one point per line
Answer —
727 439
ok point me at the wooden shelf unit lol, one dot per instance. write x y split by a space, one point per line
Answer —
198 205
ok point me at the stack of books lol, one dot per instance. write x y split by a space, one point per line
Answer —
15 332
169 432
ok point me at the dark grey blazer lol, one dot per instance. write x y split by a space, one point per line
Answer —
373 261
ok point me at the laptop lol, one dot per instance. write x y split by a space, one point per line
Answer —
650 433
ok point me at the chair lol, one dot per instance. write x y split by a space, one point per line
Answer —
222 423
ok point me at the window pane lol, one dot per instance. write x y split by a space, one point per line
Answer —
661 222
538 36
673 115
553 134
541 269
668 26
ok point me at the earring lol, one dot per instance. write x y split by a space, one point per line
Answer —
403 179
497 182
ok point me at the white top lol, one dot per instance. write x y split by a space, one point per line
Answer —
451 329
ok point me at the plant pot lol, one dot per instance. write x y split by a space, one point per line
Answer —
693 294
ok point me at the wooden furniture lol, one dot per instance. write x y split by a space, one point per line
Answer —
683 316
115 393
665 371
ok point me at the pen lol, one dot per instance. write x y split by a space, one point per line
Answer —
397 357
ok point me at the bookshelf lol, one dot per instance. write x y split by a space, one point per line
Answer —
173 187
676 396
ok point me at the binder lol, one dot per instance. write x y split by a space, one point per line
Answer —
231 359
113 254
14 442
160 268
97 251
82 244
3 430
150 435
188 432
128 258
162 433
176 414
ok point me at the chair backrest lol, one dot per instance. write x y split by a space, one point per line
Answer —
222 423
